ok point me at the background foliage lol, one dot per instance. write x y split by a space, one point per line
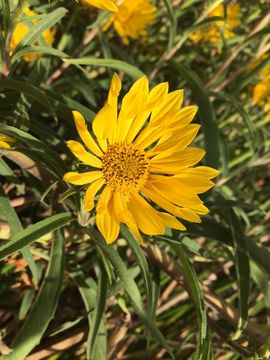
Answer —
64 293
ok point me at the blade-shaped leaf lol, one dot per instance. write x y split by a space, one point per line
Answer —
44 306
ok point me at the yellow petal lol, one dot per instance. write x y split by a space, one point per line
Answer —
79 151
132 104
156 95
170 103
196 183
91 193
4 145
104 199
200 209
102 4
145 215
124 215
148 136
189 215
82 178
175 141
114 91
137 124
107 223
183 116
174 191
104 122
171 222
203 171
160 200
172 163
85 135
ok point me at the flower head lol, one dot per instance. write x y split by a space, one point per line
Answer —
214 31
5 141
21 29
140 158
102 4
132 19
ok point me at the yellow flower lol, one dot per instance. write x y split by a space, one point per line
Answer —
213 31
132 19
141 156
102 4
5 141
261 92
21 29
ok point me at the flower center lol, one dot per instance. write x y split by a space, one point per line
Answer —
125 168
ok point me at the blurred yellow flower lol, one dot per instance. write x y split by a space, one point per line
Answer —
214 31
132 19
5 141
102 4
141 156
21 29
261 92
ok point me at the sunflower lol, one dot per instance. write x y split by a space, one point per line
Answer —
101 4
132 19
5 141
141 158
21 29
214 31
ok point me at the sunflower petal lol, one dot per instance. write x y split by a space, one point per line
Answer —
91 193
4 145
104 123
132 104
170 103
173 142
104 199
102 4
172 163
183 117
158 199
84 133
156 95
76 178
174 191
145 215
171 222
79 151
114 90
107 223
124 215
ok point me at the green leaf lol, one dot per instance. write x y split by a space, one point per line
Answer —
88 290
38 151
206 113
242 270
37 50
210 228
262 281
27 89
119 65
98 314
26 236
129 285
39 27
257 143
141 261
172 22
44 306
6 171
10 214
244 79
196 293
